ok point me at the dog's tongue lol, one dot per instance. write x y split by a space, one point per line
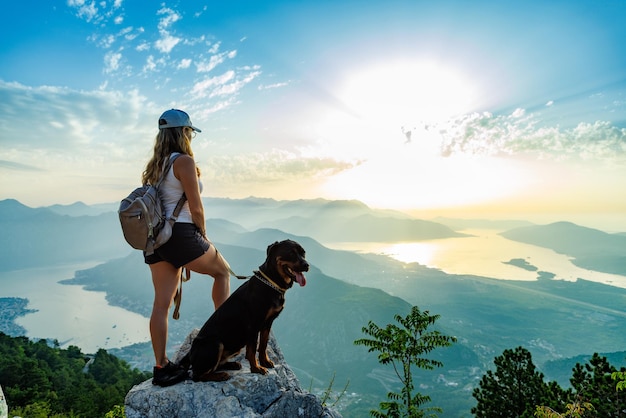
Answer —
300 278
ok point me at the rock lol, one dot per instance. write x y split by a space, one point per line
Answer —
4 409
247 395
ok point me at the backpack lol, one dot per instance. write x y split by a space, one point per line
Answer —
142 215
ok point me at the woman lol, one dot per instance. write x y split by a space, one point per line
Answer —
188 247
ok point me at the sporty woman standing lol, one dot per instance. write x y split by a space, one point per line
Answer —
188 247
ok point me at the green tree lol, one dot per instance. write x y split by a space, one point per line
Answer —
572 410
117 412
593 383
404 347
620 378
43 380
514 389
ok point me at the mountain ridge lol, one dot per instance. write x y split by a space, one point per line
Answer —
346 290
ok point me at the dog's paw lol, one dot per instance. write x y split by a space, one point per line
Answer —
259 370
267 363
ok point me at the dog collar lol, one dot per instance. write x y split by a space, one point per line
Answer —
266 280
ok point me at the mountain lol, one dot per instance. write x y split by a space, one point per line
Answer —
327 220
590 248
329 227
81 209
561 370
553 319
39 237
57 238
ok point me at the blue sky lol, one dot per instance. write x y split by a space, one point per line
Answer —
494 108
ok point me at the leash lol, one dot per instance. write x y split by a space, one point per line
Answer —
178 297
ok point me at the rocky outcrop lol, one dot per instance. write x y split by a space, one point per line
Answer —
4 409
275 395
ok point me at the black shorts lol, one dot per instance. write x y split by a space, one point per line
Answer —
185 245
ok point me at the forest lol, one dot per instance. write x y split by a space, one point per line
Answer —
39 379
42 380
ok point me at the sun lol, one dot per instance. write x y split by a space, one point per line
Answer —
384 102
404 91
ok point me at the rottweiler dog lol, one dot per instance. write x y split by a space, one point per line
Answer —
246 317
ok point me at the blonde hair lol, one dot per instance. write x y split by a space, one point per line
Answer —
167 141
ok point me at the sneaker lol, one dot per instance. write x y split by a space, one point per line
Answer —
168 375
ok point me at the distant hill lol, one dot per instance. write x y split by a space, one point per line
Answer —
590 248
40 237
331 227
561 370
327 220
81 209
61 234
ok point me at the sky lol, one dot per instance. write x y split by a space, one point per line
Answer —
481 109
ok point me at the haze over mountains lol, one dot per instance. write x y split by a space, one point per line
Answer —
553 319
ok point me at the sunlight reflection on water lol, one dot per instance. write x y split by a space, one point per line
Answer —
484 254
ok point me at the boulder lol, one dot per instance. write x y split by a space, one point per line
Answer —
4 409
277 394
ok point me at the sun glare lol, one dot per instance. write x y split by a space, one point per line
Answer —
411 180
404 92
392 132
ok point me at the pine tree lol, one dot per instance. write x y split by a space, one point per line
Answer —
513 390
593 383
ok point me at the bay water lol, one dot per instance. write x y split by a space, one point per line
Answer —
486 254
69 313
75 316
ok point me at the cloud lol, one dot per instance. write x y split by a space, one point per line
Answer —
203 88
272 166
89 12
234 87
166 43
273 86
521 134
214 61
184 63
154 57
150 65
69 123
86 11
171 17
11 165
112 61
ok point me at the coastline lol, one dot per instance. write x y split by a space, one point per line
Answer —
44 308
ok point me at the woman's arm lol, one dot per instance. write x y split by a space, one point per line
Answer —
185 172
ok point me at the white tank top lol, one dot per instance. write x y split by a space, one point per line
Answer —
171 190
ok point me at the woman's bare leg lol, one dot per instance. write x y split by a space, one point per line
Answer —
165 279
213 264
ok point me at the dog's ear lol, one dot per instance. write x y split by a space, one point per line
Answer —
269 248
